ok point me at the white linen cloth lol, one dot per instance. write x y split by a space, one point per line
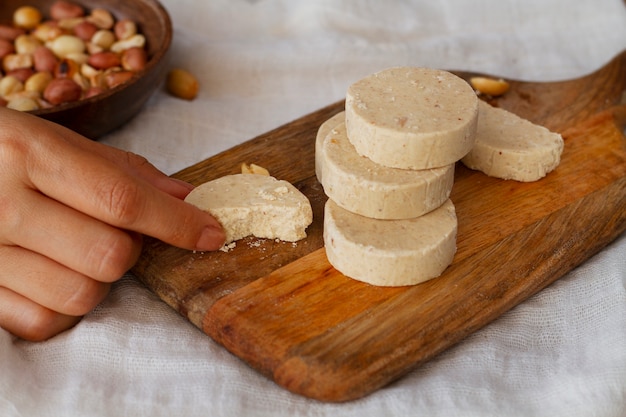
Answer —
264 63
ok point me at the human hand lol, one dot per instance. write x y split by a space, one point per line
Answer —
72 213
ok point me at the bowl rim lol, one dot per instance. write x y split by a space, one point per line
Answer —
152 62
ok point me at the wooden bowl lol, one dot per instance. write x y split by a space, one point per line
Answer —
98 115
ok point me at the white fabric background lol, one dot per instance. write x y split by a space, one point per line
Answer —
264 63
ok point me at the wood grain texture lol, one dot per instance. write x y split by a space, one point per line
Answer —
286 312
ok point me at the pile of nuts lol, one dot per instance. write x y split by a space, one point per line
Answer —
73 55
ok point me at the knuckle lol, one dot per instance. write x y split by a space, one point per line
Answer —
40 325
122 201
13 153
12 150
11 218
135 160
113 256
85 297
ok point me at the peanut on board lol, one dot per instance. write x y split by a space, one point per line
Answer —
66 53
253 169
489 86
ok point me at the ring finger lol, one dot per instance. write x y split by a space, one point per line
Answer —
49 284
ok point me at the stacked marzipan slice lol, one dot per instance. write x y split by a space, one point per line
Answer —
387 166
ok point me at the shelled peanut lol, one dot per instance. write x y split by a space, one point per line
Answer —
73 54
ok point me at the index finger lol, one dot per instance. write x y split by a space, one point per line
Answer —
99 188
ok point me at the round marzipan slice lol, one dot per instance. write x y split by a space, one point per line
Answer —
364 187
323 131
512 148
390 252
255 205
412 118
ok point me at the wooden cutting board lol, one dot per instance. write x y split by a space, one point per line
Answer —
285 311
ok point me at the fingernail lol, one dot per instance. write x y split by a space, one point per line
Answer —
210 239
183 184
177 188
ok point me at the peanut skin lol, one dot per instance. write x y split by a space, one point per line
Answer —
62 90
115 78
44 59
134 59
10 33
6 48
85 30
65 10
104 60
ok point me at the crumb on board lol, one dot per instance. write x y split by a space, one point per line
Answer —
228 247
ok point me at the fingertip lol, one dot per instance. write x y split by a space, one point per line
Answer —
211 238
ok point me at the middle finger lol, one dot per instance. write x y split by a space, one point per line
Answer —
48 283
69 237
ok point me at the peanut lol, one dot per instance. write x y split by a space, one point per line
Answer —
10 33
64 10
26 44
85 30
253 169
38 82
14 61
181 83
21 74
78 57
103 38
22 94
92 48
10 85
82 81
27 17
23 104
489 86
47 31
135 41
98 81
115 78
44 59
69 24
88 71
125 29
62 90
104 60
134 59
66 44
6 47
93 91
101 18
